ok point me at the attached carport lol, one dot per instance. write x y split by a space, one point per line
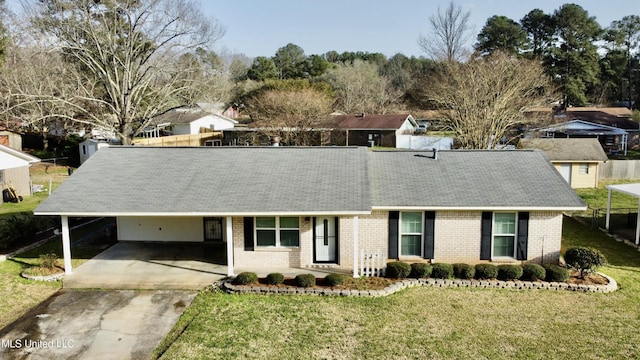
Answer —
629 189
144 265
66 239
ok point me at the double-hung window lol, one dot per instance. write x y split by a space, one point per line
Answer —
504 234
583 169
278 231
411 234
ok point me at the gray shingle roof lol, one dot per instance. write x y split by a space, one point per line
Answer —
209 181
568 149
224 180
479 179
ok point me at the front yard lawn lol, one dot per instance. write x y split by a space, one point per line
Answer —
424 322
19 294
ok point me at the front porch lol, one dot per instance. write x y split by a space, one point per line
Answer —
145 265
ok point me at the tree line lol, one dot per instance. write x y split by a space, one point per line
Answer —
116 64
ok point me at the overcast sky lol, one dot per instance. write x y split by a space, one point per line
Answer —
261 27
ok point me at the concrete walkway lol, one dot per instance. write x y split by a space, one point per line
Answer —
93 324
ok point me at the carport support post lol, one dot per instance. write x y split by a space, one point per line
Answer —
355 247
638 224
229 221
66 244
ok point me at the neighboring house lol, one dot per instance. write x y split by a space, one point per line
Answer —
375 129
11 139
14 170
89 147
187 121
613 140
296 207
577 160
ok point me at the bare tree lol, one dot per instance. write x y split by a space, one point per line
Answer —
450 33
359 88
123 58
29 73
485 98
298 116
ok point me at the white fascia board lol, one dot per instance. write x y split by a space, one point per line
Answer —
202 214
482 208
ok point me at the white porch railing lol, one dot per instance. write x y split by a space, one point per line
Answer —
372 263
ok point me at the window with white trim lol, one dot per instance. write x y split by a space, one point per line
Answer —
583 169
411 234
504 234
277 231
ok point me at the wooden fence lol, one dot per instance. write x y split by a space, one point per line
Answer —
179 140
619 170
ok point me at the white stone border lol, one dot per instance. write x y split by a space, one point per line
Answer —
407 283
54 277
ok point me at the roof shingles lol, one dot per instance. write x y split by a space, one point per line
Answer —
478 179
316 180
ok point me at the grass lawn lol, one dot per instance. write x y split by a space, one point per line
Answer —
597 197
41 174
434 323
19 294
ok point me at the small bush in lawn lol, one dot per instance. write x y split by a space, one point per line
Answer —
48 261
464 271
584 259
486 271
274 279
442 271
555 273
533 272
420 270
398 270
334 279
509 272
246 278
305 280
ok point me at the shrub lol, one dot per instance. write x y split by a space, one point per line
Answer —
305 280
442 271
556 273
533 272
246 278
584 259
334 279
48 261
486 271
274 279
398 270
463 271
21 229
420 270
509 272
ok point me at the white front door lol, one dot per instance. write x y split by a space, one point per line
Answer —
565 171
325 239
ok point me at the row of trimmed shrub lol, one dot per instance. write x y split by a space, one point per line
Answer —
302 280
528 272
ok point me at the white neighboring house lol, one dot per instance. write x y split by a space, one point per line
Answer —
14 170
90 146
188 121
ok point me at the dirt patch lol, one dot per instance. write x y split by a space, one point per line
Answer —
590 279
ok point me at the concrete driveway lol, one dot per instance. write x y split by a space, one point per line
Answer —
94 324
138 265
